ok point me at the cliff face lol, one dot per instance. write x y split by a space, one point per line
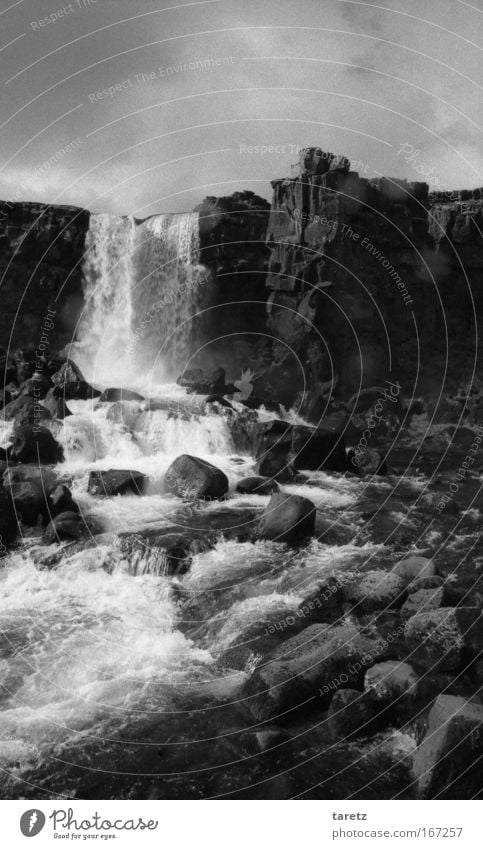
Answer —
41 249
371 277
233 245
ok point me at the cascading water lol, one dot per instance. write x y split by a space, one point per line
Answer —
142 283
106 325
167 291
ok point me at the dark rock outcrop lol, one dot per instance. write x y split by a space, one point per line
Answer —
71 383
191 477
8 520
41 253
35 444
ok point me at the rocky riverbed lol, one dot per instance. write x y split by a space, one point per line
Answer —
202 601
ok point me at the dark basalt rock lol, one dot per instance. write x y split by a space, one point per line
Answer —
446 639
257 485
70 380
54 402
69 526
25 409
117 482
287 518
36 492
35 444
314 663
374 590
352 714
118 394
447 764
316 449
191 477
8 520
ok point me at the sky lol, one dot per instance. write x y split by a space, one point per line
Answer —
146 106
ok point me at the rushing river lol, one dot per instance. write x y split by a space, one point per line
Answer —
120 680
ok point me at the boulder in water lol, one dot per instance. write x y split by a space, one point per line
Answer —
314 663
375 590
191 477
351 714
8 521
35 444
118 394
55 404
117 482
446 639
68 526
257 485
391 681
35 492
25 410
447 764
196 381
287 518
70 380
414 568
60 501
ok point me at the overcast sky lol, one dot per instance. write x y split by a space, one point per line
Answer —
360 79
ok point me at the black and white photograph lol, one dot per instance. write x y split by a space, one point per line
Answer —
241 422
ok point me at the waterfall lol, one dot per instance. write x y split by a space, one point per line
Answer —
105 327
142 290
167 293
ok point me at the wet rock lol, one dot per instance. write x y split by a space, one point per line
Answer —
158 553
25 410
447 764
424 599
414 568
391 681
276 466
117 482
35 493
430 582
445 640
60 501
257 485
313 664
191 477
117 394
374 590
287 518
370 461
54 402
8 520
351 714
196 381
71 382
35 444
323 605
68 526
318 449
